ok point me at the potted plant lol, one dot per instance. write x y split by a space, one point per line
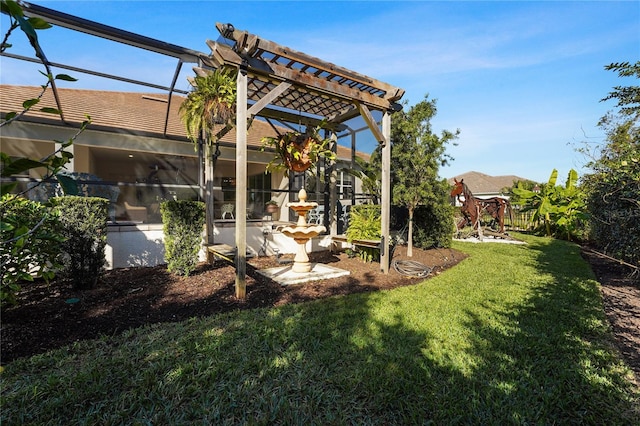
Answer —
271 206
297 151
211 102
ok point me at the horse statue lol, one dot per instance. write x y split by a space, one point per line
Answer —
473 207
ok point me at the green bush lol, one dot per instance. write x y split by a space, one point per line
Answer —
613 194
29 244
84 227
183 222
364 224
432 225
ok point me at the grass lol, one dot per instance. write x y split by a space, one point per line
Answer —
512 335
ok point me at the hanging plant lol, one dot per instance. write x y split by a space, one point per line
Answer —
213 101
271 206
295 151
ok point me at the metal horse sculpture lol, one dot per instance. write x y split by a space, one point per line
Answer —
473 208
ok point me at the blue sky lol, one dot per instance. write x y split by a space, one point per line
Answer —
521 80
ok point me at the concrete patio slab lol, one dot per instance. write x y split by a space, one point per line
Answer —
285 276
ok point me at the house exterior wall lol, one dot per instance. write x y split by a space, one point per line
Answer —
143 244
124 159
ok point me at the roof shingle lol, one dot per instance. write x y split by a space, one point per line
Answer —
131 112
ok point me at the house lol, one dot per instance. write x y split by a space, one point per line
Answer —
137 145
273 82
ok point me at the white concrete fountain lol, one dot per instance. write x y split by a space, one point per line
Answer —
302 232
302 270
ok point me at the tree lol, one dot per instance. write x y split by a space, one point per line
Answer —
416 156
613 185
628 96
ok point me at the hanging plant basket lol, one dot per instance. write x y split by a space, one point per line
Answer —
296 151
271 207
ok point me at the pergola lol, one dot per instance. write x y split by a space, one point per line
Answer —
273 82
279 82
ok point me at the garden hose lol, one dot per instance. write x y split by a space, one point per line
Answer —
411 268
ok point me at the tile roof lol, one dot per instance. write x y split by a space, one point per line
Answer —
131 112
480 183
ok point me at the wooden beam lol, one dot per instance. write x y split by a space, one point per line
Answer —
266 100
288 117
241 185
277 73
221 54
371 123
385 257
320 85
392 93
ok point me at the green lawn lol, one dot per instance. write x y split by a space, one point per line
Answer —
512 335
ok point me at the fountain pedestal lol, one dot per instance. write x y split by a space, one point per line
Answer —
302 232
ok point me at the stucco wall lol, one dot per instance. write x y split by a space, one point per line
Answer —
143 245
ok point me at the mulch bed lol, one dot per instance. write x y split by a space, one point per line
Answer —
131 297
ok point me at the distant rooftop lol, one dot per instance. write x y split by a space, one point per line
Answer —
480 183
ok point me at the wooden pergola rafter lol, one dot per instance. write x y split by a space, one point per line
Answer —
280 83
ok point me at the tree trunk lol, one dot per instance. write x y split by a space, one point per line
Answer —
410 235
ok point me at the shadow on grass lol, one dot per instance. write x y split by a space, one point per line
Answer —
447 351
553 348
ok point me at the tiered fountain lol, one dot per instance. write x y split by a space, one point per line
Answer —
302 270
302 232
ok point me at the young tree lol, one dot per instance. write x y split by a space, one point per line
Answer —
416 156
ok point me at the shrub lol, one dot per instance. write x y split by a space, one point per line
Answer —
364 224
432 225
613 193
84 227
30 244
183 222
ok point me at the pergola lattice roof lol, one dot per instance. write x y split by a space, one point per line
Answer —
296 83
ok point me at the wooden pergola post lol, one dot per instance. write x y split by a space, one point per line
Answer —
241 184
385 257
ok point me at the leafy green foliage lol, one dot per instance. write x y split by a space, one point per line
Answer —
84 229
29 244
613 189
628 96
559 211
183 222
30 236
416 156
613 185
433 224
211 102
370 174
364 224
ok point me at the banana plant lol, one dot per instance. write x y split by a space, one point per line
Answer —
559 209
